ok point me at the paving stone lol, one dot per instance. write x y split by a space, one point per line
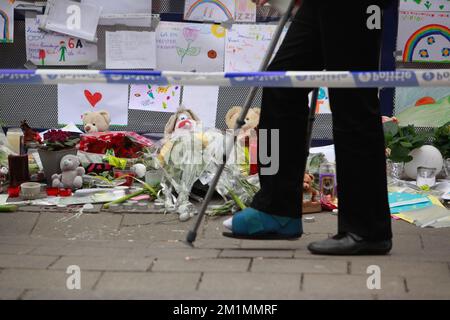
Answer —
42 279
15 249
10 293
244 253
434 285
269 284
94 251
435 243
299 266
221 243
192 253
401 268
86 227
150 281
116 263
25 261
201 265
17 223
350 284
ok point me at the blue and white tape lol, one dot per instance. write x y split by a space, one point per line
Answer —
288 79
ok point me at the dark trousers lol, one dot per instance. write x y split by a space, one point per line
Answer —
330 35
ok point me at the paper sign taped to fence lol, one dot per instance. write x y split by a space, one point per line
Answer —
203 101
209 10
245 11
190 47
155 98
425 5
56 49
121 6
76 99
130 50
6 21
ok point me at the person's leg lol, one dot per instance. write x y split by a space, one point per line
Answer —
286 110
358 135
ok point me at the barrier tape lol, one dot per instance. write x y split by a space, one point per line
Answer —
288 79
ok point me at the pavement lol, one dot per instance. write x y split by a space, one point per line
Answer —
142 256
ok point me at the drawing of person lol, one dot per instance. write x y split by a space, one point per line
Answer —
62 50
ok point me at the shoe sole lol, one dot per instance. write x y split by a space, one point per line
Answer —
261 236
355 252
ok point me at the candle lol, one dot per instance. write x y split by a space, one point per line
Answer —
15 139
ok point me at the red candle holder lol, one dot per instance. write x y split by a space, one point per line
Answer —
14 192
52 192
65 192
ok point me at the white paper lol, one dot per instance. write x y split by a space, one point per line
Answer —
323 101
6 21
424 36
207 10
203 101
73 18
154 98
121 6
130 50
246 46
76 99
425 5
245 11
190 47
56 49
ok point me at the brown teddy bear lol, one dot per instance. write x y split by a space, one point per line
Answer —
311 205
251 121
96 121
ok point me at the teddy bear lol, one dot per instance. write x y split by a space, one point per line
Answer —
97 121
311 205
182 120
72 173
251 120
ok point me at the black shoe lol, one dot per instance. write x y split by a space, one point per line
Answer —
350 244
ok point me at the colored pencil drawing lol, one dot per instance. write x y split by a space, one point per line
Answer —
154 98
190 35
6 21
209 10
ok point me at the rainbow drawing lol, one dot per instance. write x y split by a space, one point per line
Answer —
426 31
5 35
217 3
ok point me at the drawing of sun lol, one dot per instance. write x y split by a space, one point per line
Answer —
218 31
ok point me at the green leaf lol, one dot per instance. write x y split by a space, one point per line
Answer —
181 52
406 144
194 51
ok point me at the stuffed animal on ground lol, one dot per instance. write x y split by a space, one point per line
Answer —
184 120
96 121
72 174
251 121
308 181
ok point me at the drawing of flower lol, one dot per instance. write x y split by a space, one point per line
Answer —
190 35
424 53
431 40
446 52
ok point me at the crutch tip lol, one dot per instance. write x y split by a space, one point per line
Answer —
190 239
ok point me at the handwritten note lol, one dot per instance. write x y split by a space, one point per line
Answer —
122 7
425 5
154 98
245 11
6 21
246 46
207 10
130 50
75 99
56 49
190 47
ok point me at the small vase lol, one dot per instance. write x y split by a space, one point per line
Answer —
395 169
51 161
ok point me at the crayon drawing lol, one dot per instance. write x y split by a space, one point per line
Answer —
154 98
245 11
6 21
209 10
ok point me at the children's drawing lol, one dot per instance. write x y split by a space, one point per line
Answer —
154 98
76 99
209 10
246 45
55 49
425 5
190 34
190 47
245 11
424 36
422 107
6 21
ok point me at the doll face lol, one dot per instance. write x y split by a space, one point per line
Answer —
184 122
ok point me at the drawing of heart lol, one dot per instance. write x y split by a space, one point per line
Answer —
93 98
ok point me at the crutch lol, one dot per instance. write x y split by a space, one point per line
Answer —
192 235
